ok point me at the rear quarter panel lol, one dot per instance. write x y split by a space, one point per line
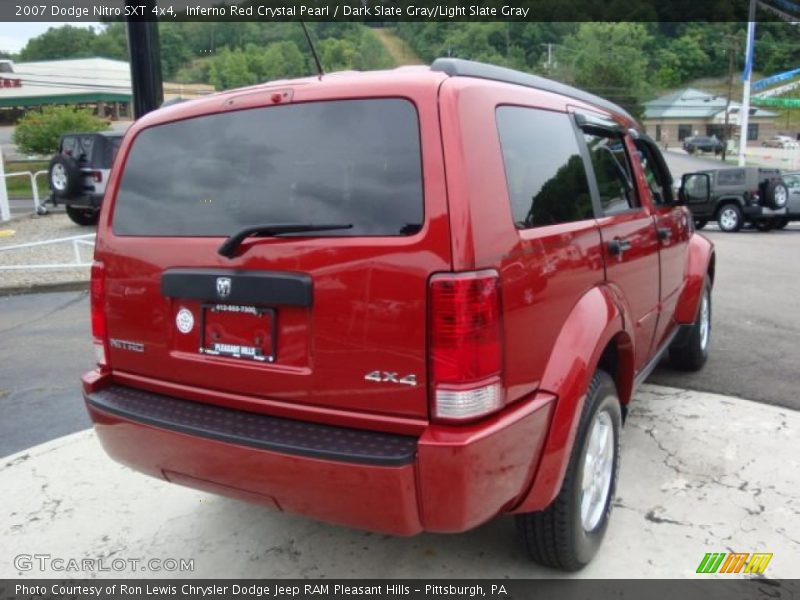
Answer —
544 271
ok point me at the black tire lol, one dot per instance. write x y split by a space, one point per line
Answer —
776 194
780 223
556 537
729 218
83 216
700 223
690 352
64 176
690 150
764 224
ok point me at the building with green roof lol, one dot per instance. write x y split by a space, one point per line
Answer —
673 117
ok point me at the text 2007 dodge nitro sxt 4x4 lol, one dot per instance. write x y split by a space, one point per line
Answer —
403 301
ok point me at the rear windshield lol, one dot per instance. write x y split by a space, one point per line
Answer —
345 162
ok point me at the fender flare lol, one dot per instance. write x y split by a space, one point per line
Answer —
594 322
737 200
700 260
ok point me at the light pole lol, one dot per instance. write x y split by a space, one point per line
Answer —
744 112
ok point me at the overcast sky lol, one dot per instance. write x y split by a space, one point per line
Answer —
13 36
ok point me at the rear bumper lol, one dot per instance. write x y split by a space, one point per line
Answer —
449 479
83 201
756 211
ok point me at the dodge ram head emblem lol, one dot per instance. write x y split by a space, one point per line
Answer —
223 287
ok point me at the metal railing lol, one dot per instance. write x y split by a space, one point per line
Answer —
76 241
38 207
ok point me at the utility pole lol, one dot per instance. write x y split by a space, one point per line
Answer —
732 50
744 112
145 53
549 63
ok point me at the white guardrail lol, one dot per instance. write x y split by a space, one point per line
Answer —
76 240
5 210
37 206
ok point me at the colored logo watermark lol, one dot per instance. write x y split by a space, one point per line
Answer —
735 562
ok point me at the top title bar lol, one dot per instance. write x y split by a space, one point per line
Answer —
388 11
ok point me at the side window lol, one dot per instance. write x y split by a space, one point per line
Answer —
612 171
546 175
656 179
792 181
733 177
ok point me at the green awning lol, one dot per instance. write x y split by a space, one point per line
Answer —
87 98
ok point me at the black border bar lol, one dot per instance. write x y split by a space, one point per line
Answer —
265 432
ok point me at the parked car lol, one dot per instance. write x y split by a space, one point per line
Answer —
703 144
402 301
735 196
79 172
780 141
792 181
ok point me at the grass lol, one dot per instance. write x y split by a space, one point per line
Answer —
398 49
20 187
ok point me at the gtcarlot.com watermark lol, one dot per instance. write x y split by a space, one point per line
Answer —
60 564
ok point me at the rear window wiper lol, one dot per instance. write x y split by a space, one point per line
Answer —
228 247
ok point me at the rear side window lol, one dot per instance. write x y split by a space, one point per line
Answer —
350 162
545 173
730 177
110 150
612 172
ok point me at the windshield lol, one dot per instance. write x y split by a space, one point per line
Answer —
349 161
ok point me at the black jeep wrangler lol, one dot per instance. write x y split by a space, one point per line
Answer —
735 196
79 173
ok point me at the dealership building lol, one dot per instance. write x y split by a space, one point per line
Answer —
100 83
672 118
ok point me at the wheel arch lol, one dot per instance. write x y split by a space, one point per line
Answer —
724 201
701 261
596 334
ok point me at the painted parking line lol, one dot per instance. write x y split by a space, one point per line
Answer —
701 473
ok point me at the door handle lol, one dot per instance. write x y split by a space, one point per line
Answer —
664 233
617 247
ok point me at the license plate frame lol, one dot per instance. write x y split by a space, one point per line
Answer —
235 351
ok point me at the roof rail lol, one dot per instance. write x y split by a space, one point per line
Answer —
468 68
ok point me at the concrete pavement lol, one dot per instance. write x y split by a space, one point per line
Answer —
700 473
756 324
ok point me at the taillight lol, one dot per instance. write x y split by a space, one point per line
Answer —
97 302
97 176
466 350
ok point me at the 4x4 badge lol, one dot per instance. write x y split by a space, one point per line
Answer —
223 287
389 377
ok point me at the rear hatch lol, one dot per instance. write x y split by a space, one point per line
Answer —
332 318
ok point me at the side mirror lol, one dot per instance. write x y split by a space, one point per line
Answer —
695 188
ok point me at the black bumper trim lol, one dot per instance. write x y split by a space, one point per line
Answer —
255 430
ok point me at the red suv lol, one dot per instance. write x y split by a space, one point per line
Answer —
403 301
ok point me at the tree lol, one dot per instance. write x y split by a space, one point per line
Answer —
336 55
282 60
60 42
112 42
609 59
175 53
38 132
230 69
